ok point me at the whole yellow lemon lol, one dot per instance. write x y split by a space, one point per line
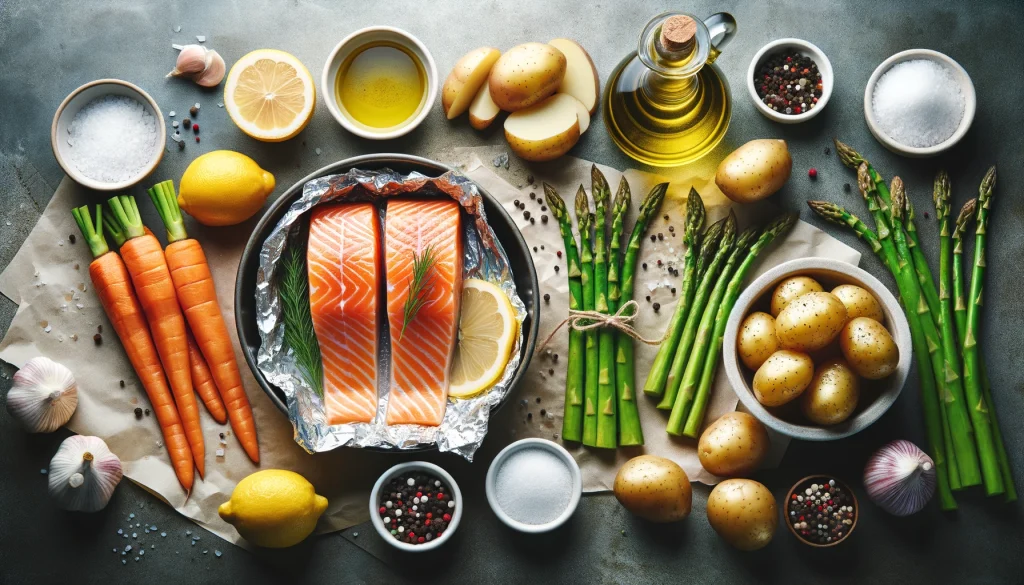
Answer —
273 508
223 187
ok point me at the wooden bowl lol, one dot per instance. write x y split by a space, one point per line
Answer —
789 498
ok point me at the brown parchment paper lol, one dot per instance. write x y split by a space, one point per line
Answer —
600 465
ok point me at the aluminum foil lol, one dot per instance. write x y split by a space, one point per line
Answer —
465 420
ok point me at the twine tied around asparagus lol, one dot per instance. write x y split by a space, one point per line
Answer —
621 320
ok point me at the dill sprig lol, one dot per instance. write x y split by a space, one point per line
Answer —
299 334
421 269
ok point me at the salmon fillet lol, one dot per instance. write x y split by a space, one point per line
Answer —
343 263
421 356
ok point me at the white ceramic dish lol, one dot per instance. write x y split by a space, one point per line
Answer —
77 100
557 450
966 87
808 50
834 273
353 42
399 469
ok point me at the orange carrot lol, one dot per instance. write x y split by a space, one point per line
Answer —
144 258
114 288
198 297
203 382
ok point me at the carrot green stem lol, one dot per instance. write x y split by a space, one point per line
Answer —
166 203
93 233
126 211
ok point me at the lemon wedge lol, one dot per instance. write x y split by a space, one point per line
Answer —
487 334
270 95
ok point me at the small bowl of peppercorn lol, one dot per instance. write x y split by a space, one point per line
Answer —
790 80
415 506
821 511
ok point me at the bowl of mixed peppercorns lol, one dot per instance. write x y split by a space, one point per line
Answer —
415 506
790 80
821 511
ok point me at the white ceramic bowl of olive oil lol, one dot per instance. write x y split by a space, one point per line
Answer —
379 82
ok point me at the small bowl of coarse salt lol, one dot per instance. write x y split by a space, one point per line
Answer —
534 485
108 134
919 103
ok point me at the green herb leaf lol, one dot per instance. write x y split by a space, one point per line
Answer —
422 264
299 334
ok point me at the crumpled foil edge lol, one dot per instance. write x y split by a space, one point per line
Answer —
464 426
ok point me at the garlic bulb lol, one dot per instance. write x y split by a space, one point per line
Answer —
204 66
83 474
44 395
900 478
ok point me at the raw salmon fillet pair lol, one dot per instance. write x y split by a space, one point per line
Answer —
345 277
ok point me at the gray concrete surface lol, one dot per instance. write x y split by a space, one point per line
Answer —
49 48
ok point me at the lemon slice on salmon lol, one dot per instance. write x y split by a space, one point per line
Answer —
270 95
487 334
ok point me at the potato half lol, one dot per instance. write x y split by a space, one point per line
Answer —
545 131
483 110
525 75
581 80
465 79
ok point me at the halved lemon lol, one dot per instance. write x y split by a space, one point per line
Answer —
487 334
270 95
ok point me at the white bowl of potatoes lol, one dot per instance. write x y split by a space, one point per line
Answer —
817 349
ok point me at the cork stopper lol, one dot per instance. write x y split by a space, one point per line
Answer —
677 33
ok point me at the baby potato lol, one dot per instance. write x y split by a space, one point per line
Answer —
810 322
755 170
654 488
743 513
859 302
869 348
782 377
791 288
832 396
757 339
734 445
525 75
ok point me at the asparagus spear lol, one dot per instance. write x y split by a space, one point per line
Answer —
606 419
960 315
956 426
695 361
590 372
655 384
620 205
980 412
695 419
904 280
572 419
630 432
700 299
853 159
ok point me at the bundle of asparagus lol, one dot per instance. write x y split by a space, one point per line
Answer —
600 400
962 430
687 360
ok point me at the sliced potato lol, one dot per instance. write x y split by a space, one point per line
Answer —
483 110
859 302
810 322
525 75
791 288
757 339
545 131
783 377
469 73
581 80
869 348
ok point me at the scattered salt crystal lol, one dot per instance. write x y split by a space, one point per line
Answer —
124 562
119 531
201 38
205 551
220 105
918 103
171 113
8 222
47 329
153 528
198 106
128 548
112 138
174 124
163 534
142 552
188 532
318 152
43 471
501 160
80 305
220 452
177 28
135 535
533 486
218 553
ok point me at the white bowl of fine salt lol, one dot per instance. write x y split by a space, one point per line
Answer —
534 485
919 103
108 135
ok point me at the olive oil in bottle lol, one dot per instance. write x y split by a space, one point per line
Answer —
381 86
668 105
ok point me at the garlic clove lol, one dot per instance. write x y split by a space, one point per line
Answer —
44 395
83 474
192 60
214 72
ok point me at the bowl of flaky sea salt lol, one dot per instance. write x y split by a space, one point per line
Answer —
919 103
108 135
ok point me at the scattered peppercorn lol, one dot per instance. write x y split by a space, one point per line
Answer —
558 253
644 265
672 228
529 416
526 215
653 237
121 383
532 195
97 339
657 307
554 358
648 297
547 298
138 414
99 329
187 123
543 412
147 412
516 203
529 179
533 221
194 110
195 128
661 236
926 215
788 83
543 207
535 249
181 145
197 139
551 372
846 187
542 246
813 173
72 238
538 400
659 263
673 291
543 219
556 267
665 216
828 151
